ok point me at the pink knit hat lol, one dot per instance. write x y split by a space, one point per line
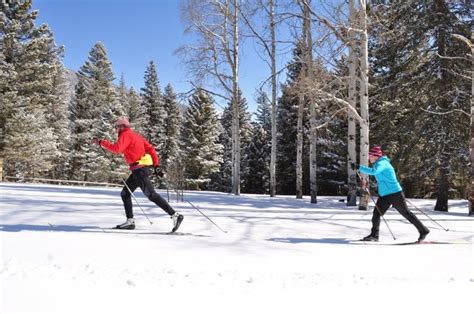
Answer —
376 151
122 122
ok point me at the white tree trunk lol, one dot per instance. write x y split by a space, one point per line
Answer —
471 145
215 56
313 167
351 130
1 168
236 100
356 29
271 6
364 96
269 45
301 90
299 142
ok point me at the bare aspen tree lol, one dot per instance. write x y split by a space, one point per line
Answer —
271 5
471 135
299 142
354 37
301 91
236 99
216 57
364 96
269 45
304 96
351 128
471 144
313 183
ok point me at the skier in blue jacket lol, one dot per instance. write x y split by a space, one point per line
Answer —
390 193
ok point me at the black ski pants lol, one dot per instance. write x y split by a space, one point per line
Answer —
397 200
140 178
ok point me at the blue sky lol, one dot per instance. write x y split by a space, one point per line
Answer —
134 33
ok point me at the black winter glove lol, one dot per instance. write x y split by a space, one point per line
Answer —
158 172
354 166
96 141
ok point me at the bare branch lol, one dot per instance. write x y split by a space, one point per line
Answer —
347 106
447 112
464 39
330 118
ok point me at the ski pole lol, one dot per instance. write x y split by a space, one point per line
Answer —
427 215
376 207
393 236
206 216
136 201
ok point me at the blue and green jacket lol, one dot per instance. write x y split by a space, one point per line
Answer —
385 175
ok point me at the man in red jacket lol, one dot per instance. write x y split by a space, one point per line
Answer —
140 156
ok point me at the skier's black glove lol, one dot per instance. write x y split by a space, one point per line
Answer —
96 141
159 172
354 166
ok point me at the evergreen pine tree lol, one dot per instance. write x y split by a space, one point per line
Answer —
8 95
419 65
287 112
122 95
264 113
332 150
135 111
31 60
258 151
170 150
257 179
133 107
286 154
223 180
156 113
95 109
59 118
81 134
202 154
331 140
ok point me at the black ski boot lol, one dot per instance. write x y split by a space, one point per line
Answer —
371 238
177 219
128 225
423 234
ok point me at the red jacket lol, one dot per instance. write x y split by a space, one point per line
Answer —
133 146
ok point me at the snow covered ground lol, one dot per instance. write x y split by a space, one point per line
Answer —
280 255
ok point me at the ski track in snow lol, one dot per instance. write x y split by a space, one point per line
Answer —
280 255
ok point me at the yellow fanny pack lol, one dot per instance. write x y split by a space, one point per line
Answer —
146 160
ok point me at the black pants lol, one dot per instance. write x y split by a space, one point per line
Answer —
397 200
140 178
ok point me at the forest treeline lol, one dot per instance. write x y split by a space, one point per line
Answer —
358 74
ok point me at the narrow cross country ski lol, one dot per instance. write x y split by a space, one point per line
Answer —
452 242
